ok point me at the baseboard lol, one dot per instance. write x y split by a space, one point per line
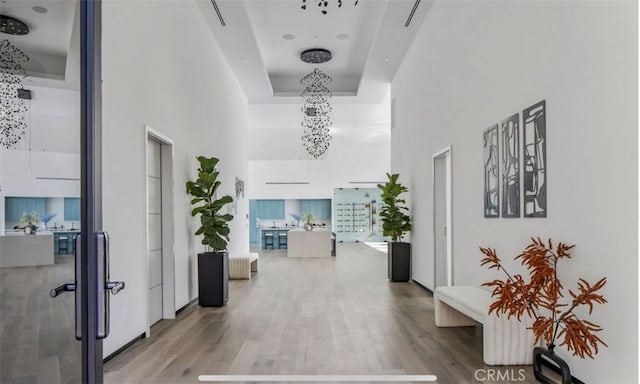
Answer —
423 287
124 347
185 306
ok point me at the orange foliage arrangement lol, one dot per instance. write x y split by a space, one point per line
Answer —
515 297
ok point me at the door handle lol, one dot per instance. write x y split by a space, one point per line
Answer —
114 286
73 287
62 288
103 281
102 252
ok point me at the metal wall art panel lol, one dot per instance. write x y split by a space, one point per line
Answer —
510 166
491 172
534 148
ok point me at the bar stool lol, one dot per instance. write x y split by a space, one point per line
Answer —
63 244
282 239
267 240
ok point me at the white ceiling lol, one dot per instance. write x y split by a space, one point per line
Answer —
50 42
269 67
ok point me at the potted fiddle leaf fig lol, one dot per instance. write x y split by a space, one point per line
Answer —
213 264
555 313
396 222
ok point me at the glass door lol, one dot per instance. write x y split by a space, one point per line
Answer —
54 286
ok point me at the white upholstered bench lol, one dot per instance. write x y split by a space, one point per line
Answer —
505 341
241 265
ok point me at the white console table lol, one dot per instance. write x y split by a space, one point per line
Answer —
316 243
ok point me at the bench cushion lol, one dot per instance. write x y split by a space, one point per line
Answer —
241 265
471 301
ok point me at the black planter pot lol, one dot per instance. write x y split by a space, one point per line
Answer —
545 357
213 279
399 261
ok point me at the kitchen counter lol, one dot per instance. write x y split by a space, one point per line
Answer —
20 250
315 243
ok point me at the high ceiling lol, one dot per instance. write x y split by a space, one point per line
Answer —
53 56
263 39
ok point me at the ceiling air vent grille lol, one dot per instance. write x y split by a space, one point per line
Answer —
394 118
413 12
215 6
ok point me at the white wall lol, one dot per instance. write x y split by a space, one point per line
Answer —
359 150
474 64
174 79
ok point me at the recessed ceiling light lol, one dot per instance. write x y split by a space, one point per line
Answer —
387 58
40 9
342 36
288 36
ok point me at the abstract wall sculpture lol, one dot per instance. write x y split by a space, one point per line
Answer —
12 109
316 108
491 172
534 148
510 166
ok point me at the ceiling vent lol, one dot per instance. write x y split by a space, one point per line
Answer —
394 123
215 6
413 12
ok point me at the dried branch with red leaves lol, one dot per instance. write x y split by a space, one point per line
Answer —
540 298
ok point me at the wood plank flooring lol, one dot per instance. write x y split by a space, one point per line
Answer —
310 316
37 343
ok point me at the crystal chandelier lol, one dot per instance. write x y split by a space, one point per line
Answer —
316 108
323 4
12 109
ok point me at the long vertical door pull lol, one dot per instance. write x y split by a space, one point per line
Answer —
102 241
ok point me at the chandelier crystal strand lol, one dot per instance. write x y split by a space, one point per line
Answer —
316 107
12 109
324 4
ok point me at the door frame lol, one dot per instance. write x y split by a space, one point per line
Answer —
168 239
90 189
446 153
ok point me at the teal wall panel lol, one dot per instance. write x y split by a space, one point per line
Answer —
270 209
321 208
15 207
253 230
71 208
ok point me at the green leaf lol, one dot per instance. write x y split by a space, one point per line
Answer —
395 221
214 227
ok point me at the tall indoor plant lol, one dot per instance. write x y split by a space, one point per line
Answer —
214 227
396 222
541 298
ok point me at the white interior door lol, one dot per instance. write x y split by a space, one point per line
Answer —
442 219
154 236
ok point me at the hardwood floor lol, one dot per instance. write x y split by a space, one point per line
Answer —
37 343
311 316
